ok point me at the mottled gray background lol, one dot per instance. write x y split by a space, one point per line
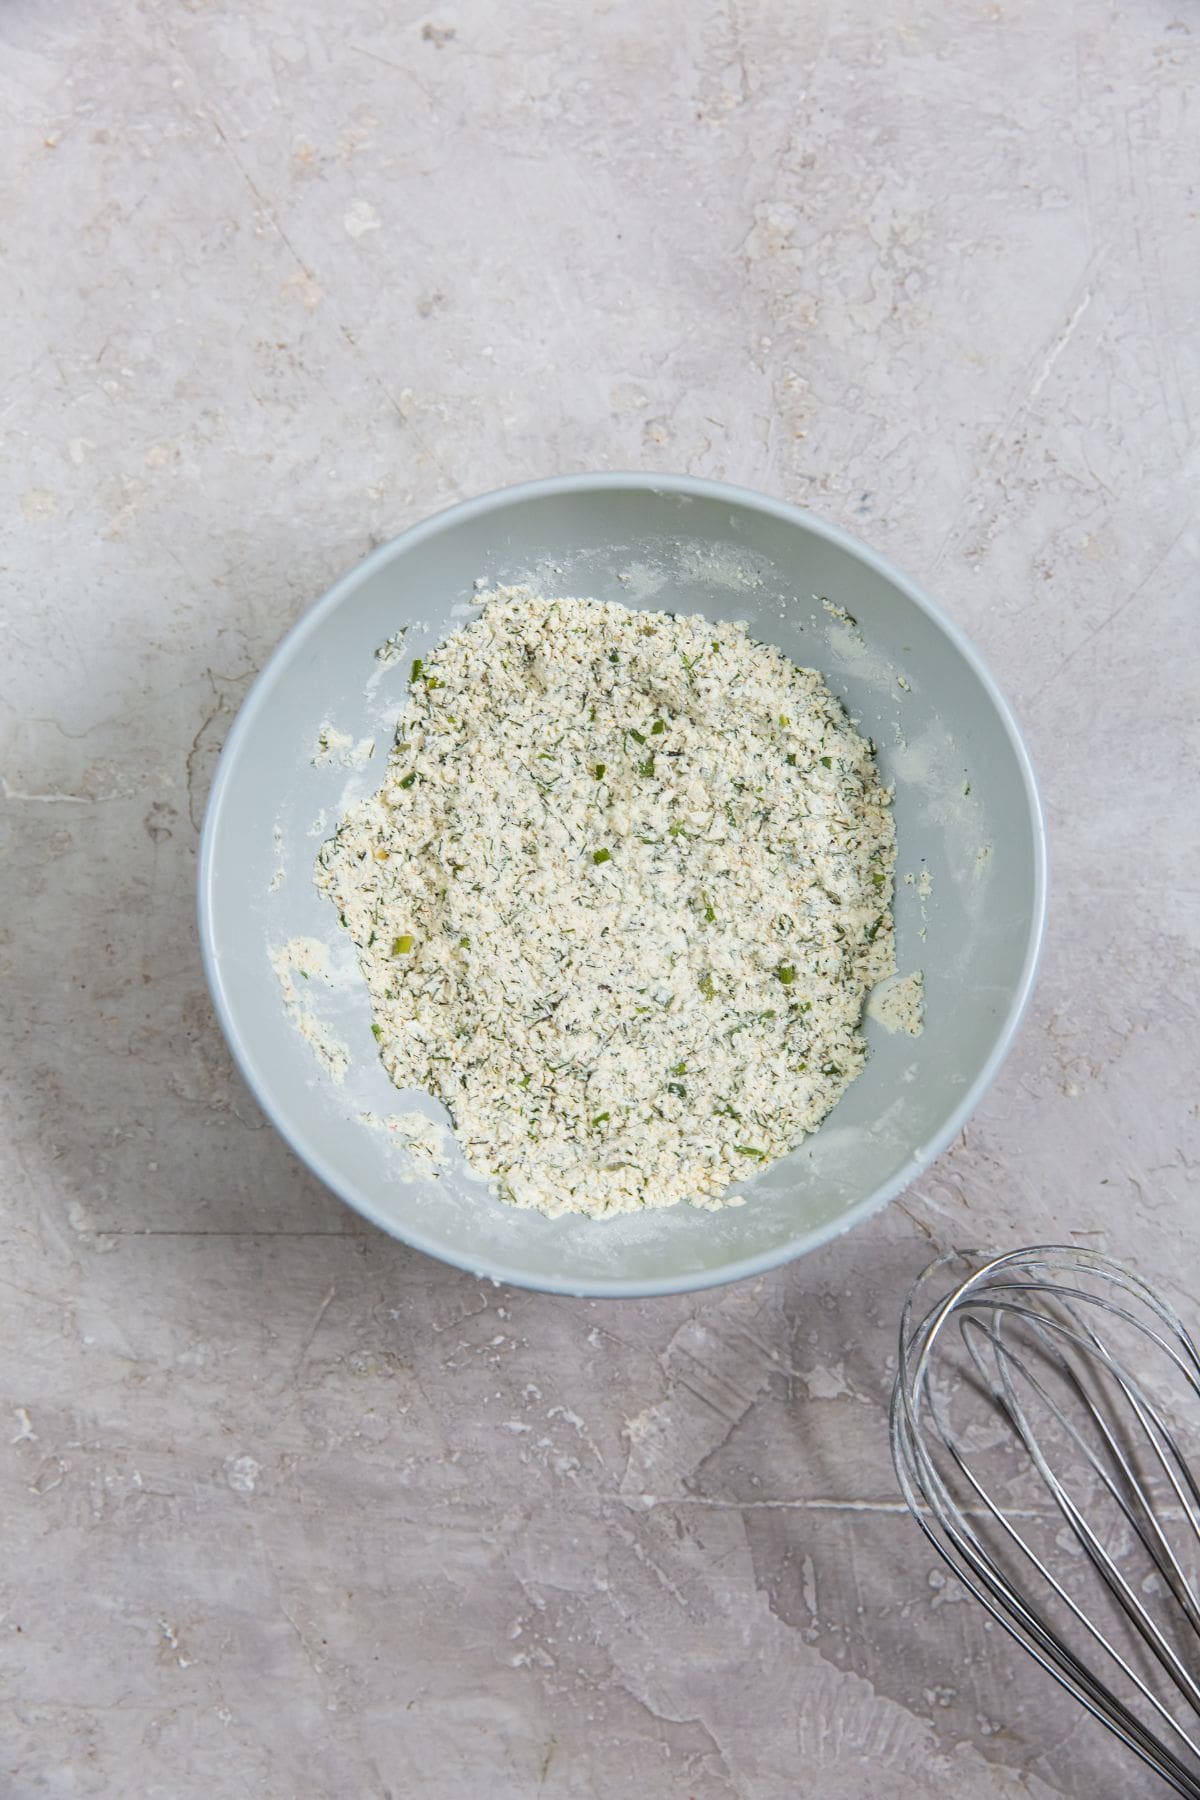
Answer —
287 1510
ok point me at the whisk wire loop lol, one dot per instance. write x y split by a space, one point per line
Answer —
1049 1337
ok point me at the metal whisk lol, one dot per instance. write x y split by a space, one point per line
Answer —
1041 1419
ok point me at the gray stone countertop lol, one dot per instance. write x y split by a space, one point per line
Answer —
287 1509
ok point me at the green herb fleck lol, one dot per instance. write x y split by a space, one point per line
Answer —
658 727
679 1068
647 767
377 1032
786 974
791 759
705 984
525 1083
409 779
827 762
599 1120
598 770
831 1068
677 1088
637 736
874 930
418 665
402 945
749 1150
878 878
601 856
784 720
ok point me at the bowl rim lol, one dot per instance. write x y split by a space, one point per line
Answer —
692 486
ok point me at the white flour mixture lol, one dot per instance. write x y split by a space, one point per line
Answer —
619 900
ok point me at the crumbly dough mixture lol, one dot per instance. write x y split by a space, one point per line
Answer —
619 900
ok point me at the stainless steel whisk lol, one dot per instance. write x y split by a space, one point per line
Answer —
1041 1422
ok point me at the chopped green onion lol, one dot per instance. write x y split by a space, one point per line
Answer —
749 1150
409 779
418 665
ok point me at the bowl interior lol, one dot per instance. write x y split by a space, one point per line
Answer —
967 820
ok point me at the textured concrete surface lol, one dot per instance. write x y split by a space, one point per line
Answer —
287 1510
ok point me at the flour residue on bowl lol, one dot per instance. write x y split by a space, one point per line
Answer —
297 963
338 747
898 1003
420 1137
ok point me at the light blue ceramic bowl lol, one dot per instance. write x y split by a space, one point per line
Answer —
967 818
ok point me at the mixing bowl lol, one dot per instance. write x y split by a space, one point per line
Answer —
314 734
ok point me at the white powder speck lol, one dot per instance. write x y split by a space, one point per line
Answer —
392 648
359 218
242 1472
